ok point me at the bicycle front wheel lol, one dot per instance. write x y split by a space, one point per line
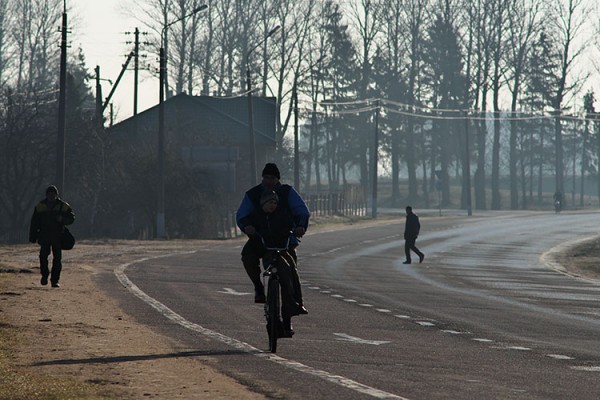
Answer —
273 306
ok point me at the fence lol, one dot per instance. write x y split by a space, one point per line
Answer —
336 203
227 227
350 202
14 237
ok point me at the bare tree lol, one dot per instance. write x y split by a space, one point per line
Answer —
33 30
293 58
299 57
568 18
480 15
523 18
498 23
366 17
415 19
4 40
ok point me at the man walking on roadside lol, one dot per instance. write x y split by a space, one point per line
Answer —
47 223
411 232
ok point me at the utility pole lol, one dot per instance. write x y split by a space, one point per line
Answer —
112 91
467 169
98 96
62 97
136 67
136 64
375 162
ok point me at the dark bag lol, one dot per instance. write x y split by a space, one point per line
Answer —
67 240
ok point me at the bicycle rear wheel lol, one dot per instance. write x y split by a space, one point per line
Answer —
273 306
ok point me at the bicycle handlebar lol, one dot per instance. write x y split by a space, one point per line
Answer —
287 243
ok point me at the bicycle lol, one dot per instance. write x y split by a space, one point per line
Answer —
279 287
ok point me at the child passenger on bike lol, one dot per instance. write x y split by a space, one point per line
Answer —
274 225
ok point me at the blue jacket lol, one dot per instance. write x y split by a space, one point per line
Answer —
288 198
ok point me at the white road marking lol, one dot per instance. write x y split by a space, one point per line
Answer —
402 316
559 357
425 323
587 368
482 340
358 340
365 305
233 292
383 310
350 300
242 346
454 332
520 348
337 296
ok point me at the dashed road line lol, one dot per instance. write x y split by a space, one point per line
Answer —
455 332
559 357
591 368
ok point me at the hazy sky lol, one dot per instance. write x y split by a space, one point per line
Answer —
99 27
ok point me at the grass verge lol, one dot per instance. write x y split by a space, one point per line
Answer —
16 384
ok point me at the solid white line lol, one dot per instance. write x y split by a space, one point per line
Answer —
242 346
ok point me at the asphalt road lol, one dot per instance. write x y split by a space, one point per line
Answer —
483 317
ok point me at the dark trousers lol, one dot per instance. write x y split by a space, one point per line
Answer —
409 244
251 256
45 250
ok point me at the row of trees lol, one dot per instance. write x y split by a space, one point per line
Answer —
107 185
485 58
495 61
29 65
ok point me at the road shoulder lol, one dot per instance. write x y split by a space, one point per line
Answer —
75 340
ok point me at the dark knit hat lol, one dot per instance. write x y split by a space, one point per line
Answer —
51 188
271 169
267 196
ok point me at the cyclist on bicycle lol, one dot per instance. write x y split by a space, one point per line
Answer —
291 209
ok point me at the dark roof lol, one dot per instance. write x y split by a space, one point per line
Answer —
220 114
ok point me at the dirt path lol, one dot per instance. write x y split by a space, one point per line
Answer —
75 342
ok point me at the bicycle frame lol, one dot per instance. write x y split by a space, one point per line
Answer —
273 304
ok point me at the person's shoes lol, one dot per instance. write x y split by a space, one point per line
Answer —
421 258
288 331
55 284
406 262
44 280
302 310
259 295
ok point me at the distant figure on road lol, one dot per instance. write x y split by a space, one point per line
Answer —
47 223
558 201
411 232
